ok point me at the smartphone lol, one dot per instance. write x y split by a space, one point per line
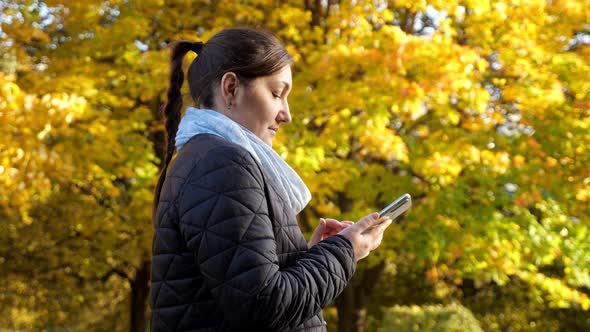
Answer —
399 206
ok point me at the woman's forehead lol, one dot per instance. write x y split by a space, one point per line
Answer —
281 77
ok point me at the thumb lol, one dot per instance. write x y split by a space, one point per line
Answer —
368 220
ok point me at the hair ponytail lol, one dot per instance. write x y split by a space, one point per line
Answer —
249 53
171 110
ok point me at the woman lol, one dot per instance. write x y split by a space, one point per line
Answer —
228 254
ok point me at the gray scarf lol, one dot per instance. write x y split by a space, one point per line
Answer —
204 121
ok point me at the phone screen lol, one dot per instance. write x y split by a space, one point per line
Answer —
399 206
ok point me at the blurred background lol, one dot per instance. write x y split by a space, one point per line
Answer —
479 109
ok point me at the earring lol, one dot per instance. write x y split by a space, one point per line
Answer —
229 107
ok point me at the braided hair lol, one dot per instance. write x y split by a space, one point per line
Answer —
248 53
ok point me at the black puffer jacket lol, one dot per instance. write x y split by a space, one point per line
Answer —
228 254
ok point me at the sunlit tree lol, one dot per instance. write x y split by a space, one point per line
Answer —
479 109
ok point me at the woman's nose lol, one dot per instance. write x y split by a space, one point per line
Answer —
284 115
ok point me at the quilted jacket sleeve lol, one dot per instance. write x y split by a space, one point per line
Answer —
224 220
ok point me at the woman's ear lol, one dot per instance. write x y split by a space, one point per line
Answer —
229 87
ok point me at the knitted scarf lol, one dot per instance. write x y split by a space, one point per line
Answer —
204 121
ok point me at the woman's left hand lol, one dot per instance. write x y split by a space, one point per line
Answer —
327 228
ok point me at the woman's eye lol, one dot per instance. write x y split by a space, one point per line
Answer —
276 95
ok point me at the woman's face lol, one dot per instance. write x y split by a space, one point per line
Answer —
261 106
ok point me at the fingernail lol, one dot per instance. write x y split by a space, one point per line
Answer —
375 215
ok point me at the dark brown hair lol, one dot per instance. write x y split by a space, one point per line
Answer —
249 53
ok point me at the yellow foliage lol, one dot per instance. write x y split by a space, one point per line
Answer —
583 193
559 293
379 107
498 162
441 168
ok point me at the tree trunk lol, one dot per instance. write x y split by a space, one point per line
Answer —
139 295
351 304
350 315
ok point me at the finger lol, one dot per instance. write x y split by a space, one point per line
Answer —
386 223
379 226
329 231
332 222
383 221
367 221
318 232
332 225
382 227
337 227
340 222
322 225
334 229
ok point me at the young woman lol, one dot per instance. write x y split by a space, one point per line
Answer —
228 254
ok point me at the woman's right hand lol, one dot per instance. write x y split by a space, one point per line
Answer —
366 235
